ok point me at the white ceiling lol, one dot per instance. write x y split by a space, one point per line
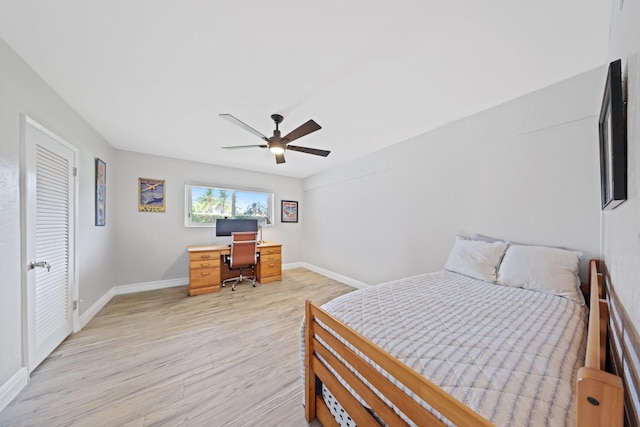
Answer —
153 75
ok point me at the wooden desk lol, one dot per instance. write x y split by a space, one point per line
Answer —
207 269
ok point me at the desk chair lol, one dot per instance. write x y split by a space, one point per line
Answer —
243 256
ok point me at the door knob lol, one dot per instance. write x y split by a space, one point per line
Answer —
43 264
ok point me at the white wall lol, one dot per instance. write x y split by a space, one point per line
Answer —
624 39
153 246
621 226
10 276
22 91
526 170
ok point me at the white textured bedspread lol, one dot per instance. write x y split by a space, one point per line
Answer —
509 354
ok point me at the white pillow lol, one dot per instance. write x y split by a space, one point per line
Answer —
542 269
476 259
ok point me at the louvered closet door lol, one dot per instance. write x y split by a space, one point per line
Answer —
50 211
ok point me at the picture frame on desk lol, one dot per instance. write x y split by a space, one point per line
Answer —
289 211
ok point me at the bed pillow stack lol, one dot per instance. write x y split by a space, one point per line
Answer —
537 268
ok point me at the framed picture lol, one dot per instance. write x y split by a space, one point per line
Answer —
101 192
613 144
150 195
289 211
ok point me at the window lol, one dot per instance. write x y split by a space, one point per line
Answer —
205 203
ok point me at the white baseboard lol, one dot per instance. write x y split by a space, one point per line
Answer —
127 289
293 265
150 286
95 308
11 388
339 277
162 284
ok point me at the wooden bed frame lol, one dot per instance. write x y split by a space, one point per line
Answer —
599 394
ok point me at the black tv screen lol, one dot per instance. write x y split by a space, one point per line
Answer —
613 140
224 227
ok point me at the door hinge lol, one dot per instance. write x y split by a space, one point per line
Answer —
75 171
75 305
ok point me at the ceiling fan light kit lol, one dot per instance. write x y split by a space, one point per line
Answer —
278 144
276 147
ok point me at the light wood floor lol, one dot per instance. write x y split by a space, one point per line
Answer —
163 358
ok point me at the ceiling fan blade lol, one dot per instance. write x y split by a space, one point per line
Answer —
301 131
243 125
279 158
316 151
234 147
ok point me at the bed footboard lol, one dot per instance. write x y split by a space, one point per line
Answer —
321 343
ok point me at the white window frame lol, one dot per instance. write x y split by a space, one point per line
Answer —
189 202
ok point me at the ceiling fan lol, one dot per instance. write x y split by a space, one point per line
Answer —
277 144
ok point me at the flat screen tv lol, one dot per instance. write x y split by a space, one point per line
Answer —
224 227
613 140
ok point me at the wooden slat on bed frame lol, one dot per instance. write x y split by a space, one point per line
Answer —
318 342
599 394
624 350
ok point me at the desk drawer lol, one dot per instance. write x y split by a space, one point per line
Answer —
270 269
204 255
268 259
204 278
204 268
205 263
270 275
270 250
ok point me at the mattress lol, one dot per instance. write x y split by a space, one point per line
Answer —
510 354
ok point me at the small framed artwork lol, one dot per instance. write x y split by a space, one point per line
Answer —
613 144
101 192
150 195
289 211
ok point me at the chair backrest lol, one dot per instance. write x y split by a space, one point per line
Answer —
243 249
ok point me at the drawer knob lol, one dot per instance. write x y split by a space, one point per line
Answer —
205 274
205 256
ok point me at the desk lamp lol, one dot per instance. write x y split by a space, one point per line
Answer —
266 219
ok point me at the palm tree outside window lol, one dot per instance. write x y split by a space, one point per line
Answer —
207 203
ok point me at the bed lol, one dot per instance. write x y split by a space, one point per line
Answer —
486 341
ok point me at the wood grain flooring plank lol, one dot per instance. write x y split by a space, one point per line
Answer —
161 358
